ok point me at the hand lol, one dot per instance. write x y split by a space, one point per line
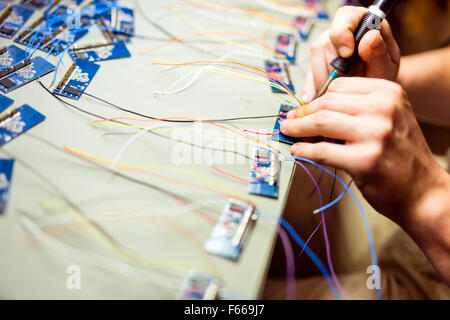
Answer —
385 151
378 50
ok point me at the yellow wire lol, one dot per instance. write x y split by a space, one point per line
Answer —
167 168
270 84
110 244
255 13
219 39
131 257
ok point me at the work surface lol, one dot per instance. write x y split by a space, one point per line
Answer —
41 234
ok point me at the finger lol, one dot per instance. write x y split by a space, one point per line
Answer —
391 43
373 51
344 25
350 104
325 153
355 85
324 123
319 64
309 90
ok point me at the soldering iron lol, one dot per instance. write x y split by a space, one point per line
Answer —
376 13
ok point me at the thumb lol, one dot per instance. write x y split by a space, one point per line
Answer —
374 52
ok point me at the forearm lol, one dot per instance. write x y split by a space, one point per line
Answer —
426 79
428 223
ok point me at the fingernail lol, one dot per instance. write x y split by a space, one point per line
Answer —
377 41
291 114
345 51
294 149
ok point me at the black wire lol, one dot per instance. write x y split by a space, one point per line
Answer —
157 26
149 131
177 121
333 186
143 115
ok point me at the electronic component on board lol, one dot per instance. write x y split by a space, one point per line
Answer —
278 136
5 102
199 286
100 51
54 42
279 71
76 79
121 21
10 56
6 169
12 19
18 121
35 4
287 46
317 6
23 72
304 26
229 235
265 173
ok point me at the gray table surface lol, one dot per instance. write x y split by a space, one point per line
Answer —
159 229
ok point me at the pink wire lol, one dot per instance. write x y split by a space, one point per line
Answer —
291 291
325 233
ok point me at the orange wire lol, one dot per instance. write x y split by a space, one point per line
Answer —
200 34
172 180
273 76
238 9
179 118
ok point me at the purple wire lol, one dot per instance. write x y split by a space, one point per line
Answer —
325 233
291 292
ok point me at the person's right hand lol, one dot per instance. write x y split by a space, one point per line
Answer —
378 50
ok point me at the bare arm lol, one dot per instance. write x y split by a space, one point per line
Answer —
426 79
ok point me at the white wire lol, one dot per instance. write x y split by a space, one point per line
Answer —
93 259
261 25
196 73
132 213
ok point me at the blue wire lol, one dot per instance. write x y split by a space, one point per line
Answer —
308 251
373 254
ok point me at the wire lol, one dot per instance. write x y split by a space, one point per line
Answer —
373 255
143 115
133 168
272 76
325 233
308 251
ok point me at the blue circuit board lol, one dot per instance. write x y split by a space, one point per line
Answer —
229 235
304 26
14 21
35 4
115 50
37 68
17 122
11 56
6 169
291 140
265 173
79 77
279 71
5 102
2 5
287 46
199 286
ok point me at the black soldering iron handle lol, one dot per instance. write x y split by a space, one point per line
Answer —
372 20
